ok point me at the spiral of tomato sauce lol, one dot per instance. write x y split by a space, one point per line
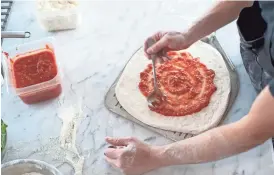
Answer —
186 83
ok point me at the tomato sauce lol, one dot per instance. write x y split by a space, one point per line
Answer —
33 68
186 83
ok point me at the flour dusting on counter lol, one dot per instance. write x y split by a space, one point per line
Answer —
71 117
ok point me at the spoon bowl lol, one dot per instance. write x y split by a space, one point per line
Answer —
155 98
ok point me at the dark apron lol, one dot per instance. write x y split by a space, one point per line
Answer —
256 28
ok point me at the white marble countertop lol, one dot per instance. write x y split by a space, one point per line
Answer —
92 57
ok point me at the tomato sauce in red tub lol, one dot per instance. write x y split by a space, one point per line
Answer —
36 68
186 82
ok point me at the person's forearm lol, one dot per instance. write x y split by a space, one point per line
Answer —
221 14
253 129
212 145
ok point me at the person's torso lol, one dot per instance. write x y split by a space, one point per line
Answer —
256 27
268 16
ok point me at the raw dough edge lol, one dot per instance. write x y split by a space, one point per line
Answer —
135 103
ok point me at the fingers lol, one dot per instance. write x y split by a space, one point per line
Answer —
113 153
164 58
112 162
145 49
157 37
158 46
119 141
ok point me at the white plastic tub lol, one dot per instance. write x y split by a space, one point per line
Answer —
54 16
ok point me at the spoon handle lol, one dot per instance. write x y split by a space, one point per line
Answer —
153 57
154 72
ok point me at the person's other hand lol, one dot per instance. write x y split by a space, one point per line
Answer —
167 41
130 155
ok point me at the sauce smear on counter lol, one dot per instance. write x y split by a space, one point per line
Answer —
33 68
186 82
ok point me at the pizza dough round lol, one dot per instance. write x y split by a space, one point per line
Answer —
132 100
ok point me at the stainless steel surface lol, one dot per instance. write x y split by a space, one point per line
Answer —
15 34
22 166
114 106
156 96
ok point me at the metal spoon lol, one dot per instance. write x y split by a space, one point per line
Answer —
156 97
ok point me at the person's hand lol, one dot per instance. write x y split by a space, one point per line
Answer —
167 41
130 155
